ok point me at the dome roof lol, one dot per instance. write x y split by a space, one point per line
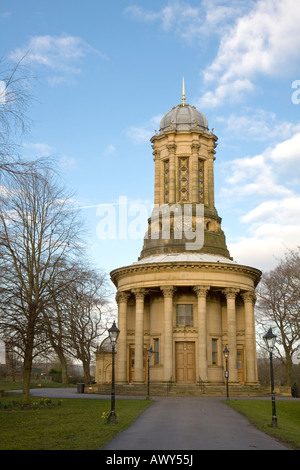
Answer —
105 346
183 117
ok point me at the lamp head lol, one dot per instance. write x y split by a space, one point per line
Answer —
270 339
150 352
226 352
113 333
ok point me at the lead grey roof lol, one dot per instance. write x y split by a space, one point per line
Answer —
185 257
183 118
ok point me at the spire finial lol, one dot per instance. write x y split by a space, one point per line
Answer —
183 93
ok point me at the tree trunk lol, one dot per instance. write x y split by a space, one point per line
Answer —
289 369
27 374
64 368
86 371
28 355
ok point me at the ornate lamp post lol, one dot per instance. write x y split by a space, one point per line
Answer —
150 352
270 339
226 354
113 336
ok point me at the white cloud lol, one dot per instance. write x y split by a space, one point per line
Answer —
60 54
66 162
263 250
284 212
252 176
233 91
42 150
109 149
257 124
272 223
263 41
39 149
287 153
142 134
192 22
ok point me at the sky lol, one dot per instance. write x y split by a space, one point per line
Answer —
106 72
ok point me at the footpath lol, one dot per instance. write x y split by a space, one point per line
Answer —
182 423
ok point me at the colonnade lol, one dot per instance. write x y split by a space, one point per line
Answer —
201 291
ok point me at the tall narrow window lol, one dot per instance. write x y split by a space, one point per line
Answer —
183 172
166 181
156 351
201 180
214 351
184 315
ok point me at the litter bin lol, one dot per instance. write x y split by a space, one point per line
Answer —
80 388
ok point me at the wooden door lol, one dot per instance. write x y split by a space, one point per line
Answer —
240 365
185 362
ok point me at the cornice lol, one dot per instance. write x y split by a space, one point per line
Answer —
120 273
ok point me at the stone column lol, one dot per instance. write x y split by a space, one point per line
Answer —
210 171
168 292
172 169
201 292
139 335
157 185
121 369
231 294
251 370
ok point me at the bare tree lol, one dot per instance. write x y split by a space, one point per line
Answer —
15 97
73 319
279 304
87 300
38 227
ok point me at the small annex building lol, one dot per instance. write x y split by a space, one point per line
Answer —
185 297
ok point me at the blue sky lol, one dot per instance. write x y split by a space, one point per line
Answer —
108 71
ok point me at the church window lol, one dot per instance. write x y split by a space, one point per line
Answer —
166 181
183 166
184 315
156 350
201 180
214 351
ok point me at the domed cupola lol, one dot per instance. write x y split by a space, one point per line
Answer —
183 117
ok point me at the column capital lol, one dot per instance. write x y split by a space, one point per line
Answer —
139 292
195 147
122 297
249 296
201 291
168 291
171 147
231 292
156 154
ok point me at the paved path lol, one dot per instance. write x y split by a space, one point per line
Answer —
197 423
182 423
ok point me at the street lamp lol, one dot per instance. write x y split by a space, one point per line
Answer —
226 354
270 339
150 352
113 336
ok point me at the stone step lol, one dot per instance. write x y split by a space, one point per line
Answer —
181 390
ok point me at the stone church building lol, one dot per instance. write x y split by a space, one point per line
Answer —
185 296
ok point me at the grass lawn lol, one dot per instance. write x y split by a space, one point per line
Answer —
18 384
76 424
259 413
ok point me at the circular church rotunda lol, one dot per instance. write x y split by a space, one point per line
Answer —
185 296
